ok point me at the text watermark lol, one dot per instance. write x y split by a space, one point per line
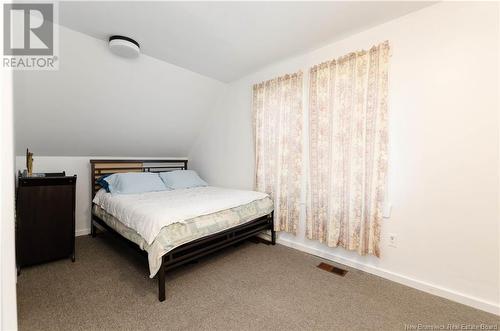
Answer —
30 36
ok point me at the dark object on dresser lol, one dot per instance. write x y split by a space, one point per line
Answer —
45 218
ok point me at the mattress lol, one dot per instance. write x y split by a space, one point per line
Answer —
147 213
178 233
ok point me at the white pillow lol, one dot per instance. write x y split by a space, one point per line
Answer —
179 179
135 182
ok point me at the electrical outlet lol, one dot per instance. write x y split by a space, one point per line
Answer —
386 213
393 240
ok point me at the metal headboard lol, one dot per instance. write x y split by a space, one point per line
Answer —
99 168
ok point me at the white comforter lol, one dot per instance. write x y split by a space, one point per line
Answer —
148 213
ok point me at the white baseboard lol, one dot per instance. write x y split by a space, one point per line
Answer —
477 303
82 232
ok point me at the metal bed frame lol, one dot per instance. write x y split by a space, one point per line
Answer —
192 250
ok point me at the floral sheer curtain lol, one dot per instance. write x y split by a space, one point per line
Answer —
277 110
348 150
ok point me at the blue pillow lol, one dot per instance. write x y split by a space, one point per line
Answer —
101 181
134 182
179 179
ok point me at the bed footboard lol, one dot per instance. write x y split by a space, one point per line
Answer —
207 245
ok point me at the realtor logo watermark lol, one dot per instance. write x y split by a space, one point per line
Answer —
29 36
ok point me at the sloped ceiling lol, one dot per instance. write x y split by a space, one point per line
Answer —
227 40
98 104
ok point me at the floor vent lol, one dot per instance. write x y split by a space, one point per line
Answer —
332 269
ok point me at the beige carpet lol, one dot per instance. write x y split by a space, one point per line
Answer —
250 287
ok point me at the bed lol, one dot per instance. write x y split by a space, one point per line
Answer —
200 220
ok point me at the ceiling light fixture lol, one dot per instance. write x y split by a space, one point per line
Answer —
124 46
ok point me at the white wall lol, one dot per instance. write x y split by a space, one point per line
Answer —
444 150
73 165
100 104
8 307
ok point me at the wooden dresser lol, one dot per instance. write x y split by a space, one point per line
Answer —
45 219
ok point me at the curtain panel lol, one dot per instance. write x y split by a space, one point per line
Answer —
278 126
348 143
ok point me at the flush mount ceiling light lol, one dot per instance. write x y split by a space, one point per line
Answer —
124 46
